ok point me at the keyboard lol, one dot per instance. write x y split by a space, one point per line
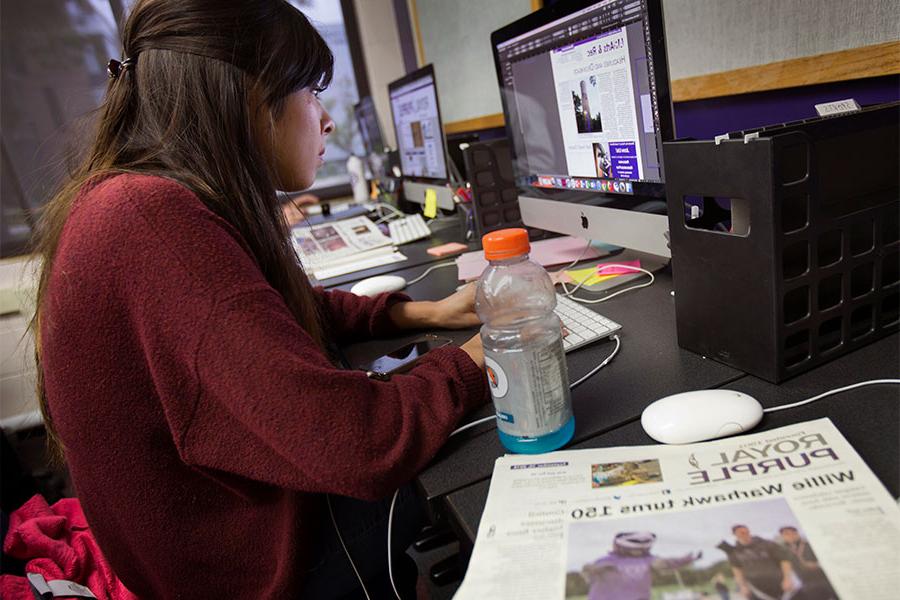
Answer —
583 324
408 229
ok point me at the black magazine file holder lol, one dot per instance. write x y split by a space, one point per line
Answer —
807 269
495 197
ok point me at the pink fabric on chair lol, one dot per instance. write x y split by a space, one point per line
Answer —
57 543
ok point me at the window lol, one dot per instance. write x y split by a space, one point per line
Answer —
53 71
328 18
54 55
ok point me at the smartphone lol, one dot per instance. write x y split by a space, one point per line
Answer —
403 358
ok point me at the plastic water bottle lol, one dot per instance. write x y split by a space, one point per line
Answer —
357 171
523 352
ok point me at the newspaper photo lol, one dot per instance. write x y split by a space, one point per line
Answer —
341 247
791 513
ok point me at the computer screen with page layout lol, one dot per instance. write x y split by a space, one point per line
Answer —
586 101
417 124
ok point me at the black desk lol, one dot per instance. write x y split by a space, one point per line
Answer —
868 417
649 365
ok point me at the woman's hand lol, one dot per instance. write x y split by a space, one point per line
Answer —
456 311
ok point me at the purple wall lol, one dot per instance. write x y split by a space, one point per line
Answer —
705 119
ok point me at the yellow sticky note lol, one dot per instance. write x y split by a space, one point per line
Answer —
430 209
588 276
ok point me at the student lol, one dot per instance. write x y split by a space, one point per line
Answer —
761 567
626 572
183 357
806 565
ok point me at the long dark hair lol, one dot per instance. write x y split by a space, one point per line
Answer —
185 109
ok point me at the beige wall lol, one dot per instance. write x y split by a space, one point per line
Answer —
711 36
381 49
703 36
18 407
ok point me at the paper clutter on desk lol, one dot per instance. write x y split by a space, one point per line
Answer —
554 251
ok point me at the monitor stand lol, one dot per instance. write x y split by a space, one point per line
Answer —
642 231
415 192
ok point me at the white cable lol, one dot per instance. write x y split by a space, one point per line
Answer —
460 430
429 270
600 267
575 262
571 387
600 366
832 392
347 552
394 210
473 424
387 218
390 563
568 293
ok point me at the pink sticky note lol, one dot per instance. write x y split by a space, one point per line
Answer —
445 249
612 269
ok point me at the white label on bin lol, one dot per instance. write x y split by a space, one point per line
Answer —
837 107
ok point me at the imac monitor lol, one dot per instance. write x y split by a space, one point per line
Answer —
369 129
585 92
420 137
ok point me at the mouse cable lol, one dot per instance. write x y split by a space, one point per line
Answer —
568 293
429 270
390 562
469 426
593 371
571 387
394 211
347 552
832 392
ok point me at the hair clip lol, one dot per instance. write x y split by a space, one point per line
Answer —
114 68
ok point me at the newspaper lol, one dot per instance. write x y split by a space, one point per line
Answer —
340 247
788 513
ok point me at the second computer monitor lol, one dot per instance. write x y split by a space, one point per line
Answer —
420 137
585 94
369 129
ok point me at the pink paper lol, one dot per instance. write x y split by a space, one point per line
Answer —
555 251
602 269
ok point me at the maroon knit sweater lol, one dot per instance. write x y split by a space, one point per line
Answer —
201 423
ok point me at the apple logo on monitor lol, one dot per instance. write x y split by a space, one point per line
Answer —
584 221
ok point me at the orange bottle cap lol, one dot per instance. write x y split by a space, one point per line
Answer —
505 243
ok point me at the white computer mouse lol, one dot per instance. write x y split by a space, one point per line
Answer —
702 415
378 284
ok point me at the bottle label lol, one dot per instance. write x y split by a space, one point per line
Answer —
529 388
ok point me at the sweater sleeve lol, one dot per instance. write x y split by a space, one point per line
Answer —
272 408
352 317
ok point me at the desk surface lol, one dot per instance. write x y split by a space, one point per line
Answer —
649 365
868 417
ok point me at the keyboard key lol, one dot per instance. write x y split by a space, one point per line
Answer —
584 325
408 229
